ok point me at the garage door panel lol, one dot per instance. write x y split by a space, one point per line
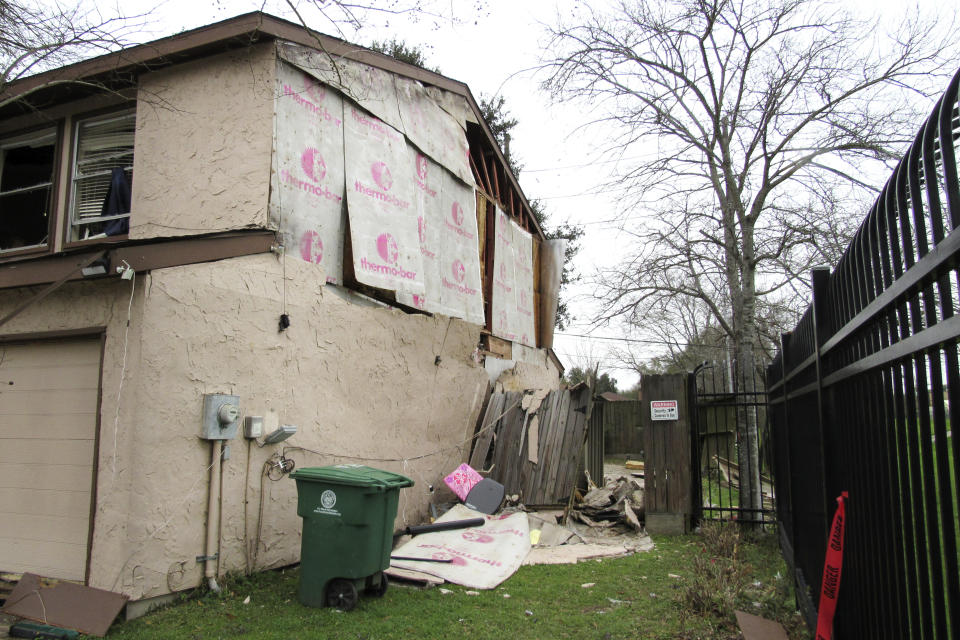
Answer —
62 352
45 403
50 427
34 378
48 529
48 421
38 502
51 559
62 477
54 452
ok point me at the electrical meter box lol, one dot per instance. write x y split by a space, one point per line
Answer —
221 416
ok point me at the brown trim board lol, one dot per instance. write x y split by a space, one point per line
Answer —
142 257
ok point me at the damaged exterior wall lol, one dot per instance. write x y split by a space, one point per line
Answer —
530 369
204 126
359 381
363 382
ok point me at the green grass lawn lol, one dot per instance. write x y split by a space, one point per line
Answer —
641 596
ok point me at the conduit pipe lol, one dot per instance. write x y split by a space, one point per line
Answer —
212 551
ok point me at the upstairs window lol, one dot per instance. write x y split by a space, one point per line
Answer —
102 177
26 185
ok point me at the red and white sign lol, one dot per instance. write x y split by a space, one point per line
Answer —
664 410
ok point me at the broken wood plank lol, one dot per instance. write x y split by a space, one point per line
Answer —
549 494
488 426
536 492
574 438
507 441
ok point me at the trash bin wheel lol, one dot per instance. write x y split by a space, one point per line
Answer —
341 594
377 590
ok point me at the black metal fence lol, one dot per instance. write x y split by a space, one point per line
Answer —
862 398
731 443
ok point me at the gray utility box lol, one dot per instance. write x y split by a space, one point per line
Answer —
221 416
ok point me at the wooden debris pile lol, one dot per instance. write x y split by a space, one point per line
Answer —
620 501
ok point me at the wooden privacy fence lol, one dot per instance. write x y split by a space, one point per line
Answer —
622 428
534 447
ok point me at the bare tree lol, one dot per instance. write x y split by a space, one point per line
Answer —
347 15
761 120
36 37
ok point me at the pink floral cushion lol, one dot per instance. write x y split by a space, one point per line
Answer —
462 480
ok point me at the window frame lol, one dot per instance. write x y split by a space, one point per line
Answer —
14 139
78 121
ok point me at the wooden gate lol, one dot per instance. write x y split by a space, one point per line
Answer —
668 468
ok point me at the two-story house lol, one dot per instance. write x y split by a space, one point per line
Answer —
326 236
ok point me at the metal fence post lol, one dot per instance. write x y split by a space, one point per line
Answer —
821 277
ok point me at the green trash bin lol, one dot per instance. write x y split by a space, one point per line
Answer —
348 512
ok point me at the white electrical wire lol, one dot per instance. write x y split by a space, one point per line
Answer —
123 370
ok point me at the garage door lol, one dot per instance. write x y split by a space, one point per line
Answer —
48 425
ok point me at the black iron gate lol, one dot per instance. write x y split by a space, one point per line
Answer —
730 436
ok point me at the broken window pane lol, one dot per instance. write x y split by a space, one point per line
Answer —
26 179
102 176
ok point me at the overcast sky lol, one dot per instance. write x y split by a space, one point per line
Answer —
493 51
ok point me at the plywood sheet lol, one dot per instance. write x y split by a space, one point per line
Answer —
64 604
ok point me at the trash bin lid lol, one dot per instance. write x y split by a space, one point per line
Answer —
356 475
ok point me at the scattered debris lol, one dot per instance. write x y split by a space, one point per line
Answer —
486 496
587 585
37 630
246 600
574 553
445 591
462 480
64 604
483 557
417 578
471 593
445 525
619 501
757 628
528 612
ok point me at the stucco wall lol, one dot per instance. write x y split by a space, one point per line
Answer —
357 380
205 127
361 382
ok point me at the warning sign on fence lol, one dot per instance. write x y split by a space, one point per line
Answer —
664 410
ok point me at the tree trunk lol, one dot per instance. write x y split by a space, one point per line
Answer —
745 345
